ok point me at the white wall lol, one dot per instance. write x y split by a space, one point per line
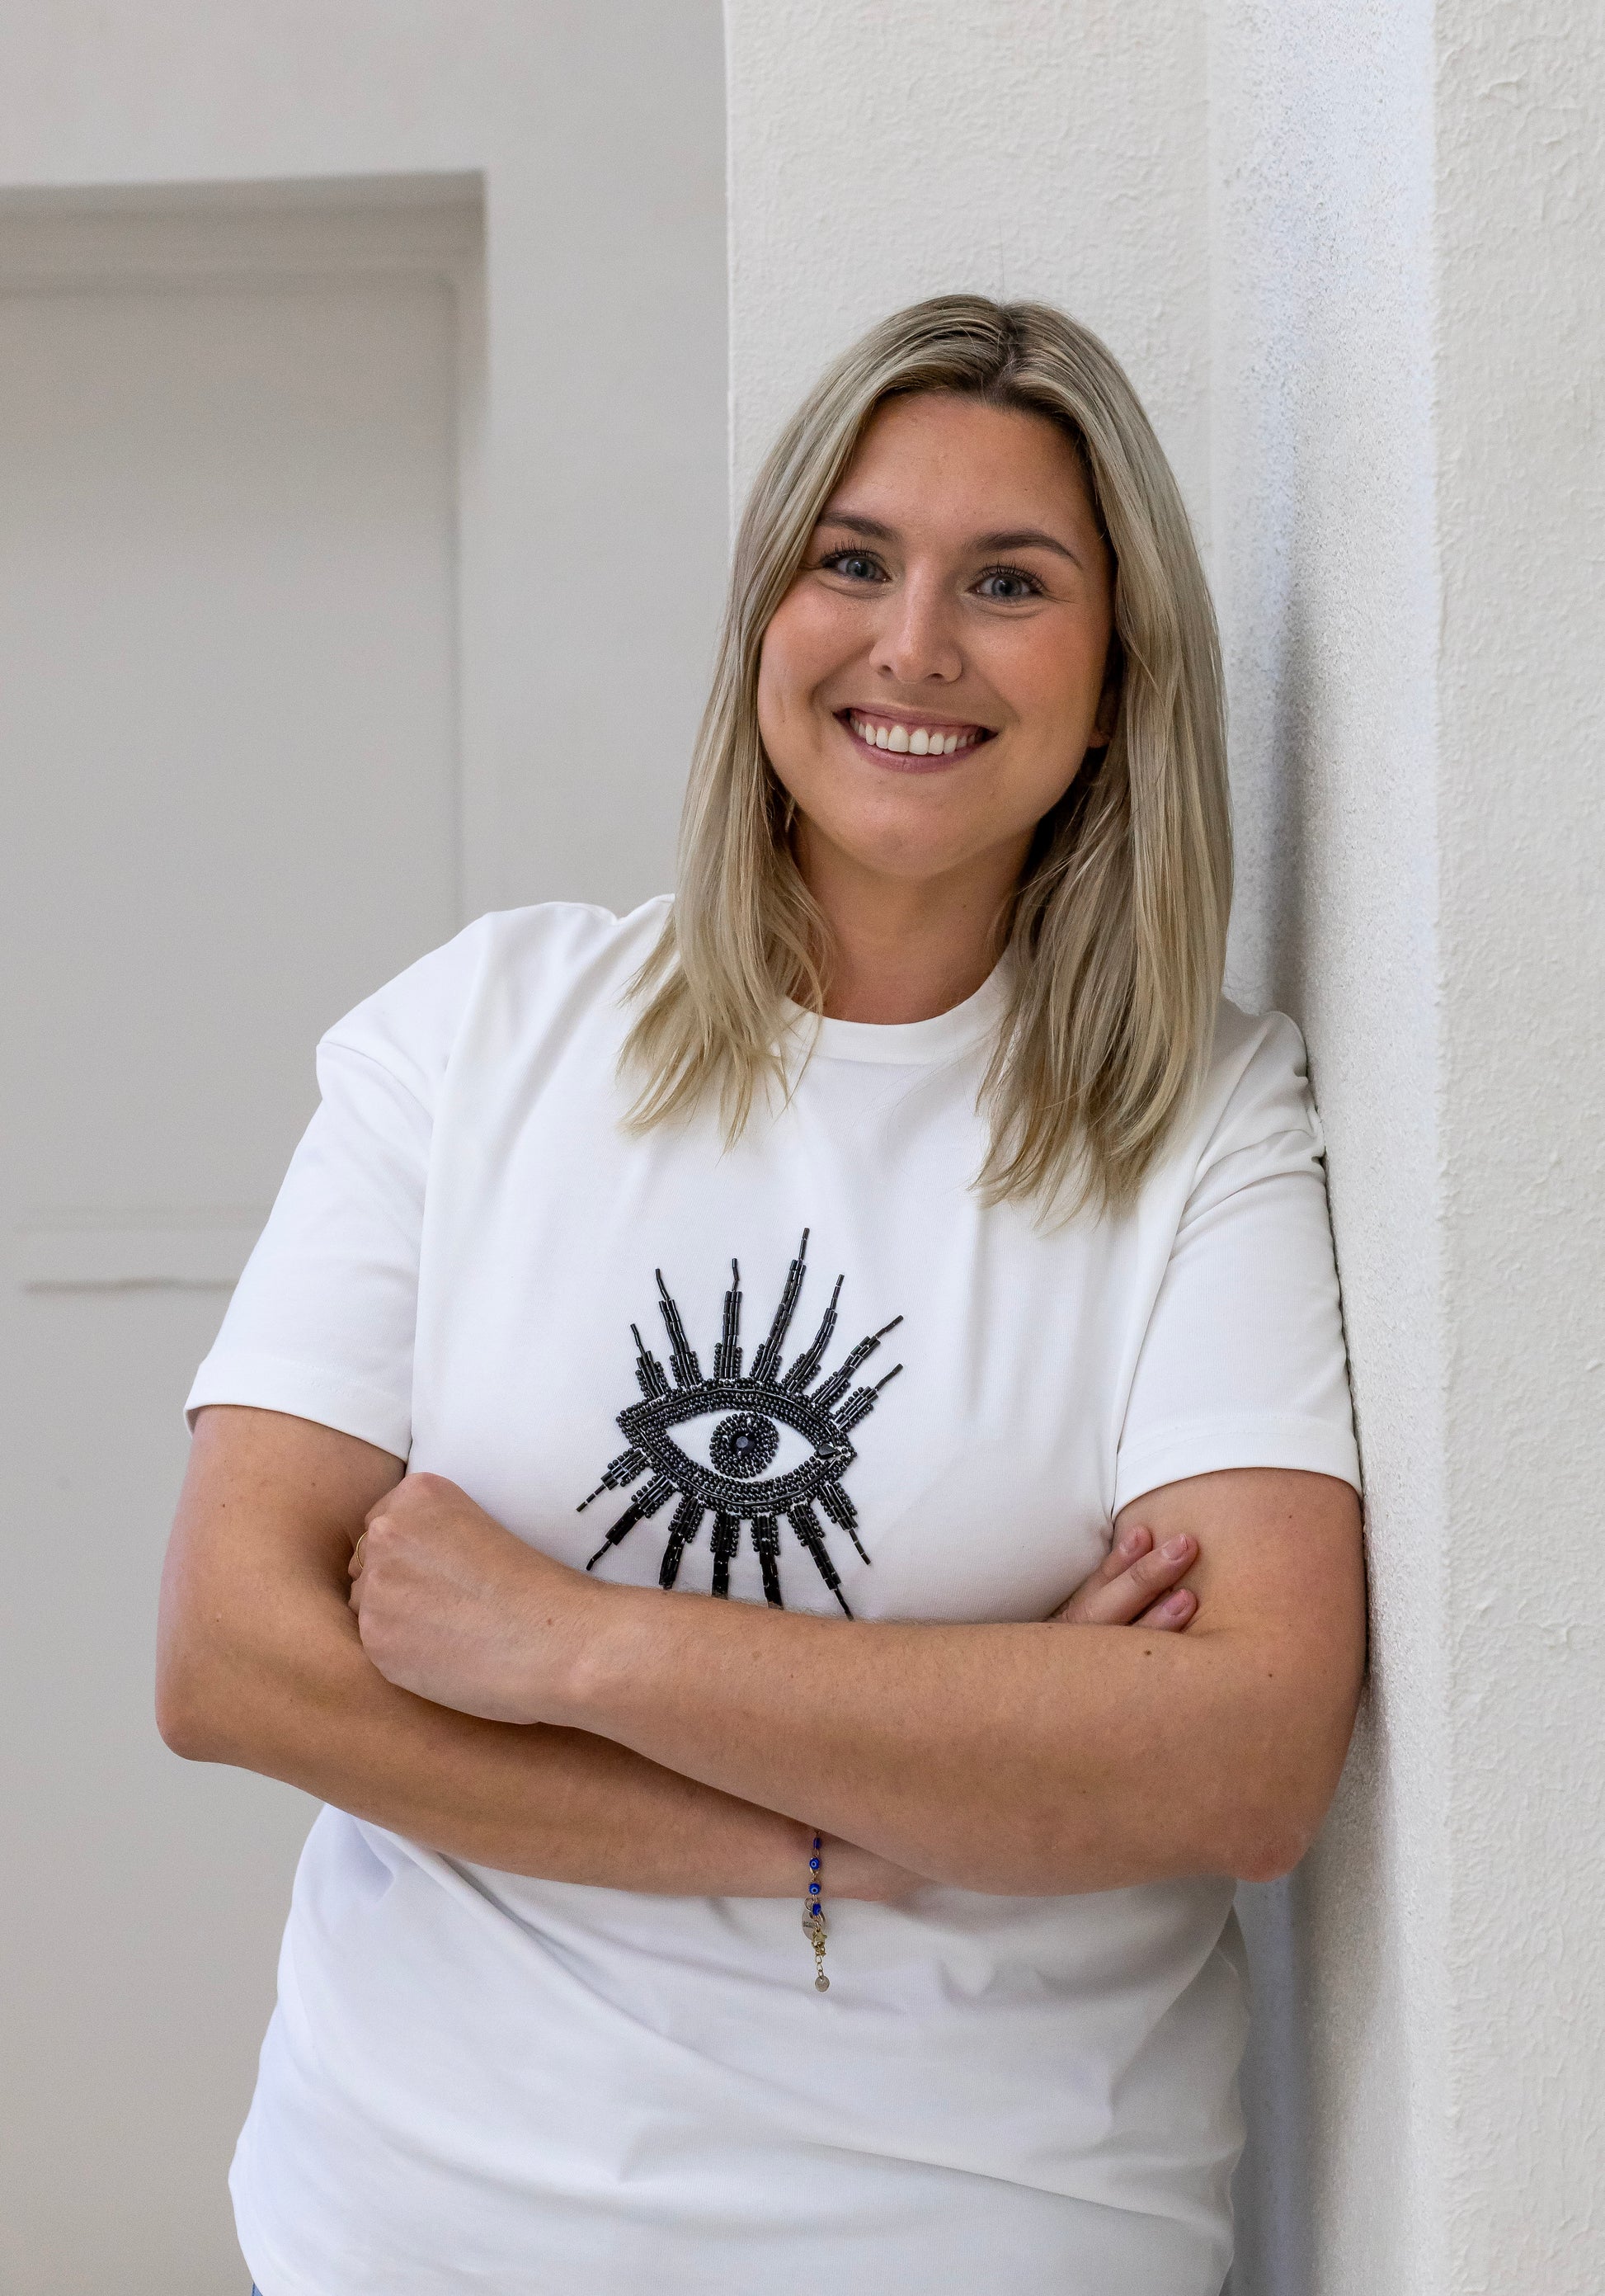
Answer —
362 529
1325 477
598 135
1022 147
1408 395
1520 388
1351 258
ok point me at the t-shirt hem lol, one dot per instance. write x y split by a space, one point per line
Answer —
270 2274
303 1391
1209 1446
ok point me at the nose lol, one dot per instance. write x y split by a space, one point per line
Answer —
917 641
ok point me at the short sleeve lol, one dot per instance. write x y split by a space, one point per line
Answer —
323 1321
1242 1364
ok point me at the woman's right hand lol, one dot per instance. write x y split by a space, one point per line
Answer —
1135 1584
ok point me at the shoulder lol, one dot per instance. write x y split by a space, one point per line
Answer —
1257 1078
1252 1115
511 969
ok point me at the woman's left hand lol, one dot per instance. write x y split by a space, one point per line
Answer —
454 1608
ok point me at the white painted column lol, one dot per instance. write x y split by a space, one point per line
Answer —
1407 410
1350 258
1324 479
1520 388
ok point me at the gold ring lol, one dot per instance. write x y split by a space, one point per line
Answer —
356 1551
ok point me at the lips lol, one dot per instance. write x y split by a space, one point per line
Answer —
913 737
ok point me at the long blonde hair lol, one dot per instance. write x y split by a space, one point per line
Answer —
1117 928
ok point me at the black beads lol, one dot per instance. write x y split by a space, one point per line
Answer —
723 1469
744 1444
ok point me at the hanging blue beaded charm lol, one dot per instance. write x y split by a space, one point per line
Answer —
814 1920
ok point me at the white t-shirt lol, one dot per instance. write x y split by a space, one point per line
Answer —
932 1409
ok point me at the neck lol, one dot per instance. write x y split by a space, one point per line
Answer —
904 949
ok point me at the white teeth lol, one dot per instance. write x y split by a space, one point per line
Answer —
918 740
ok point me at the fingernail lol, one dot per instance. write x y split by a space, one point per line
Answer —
1130 1543
1174 1604
1174 1548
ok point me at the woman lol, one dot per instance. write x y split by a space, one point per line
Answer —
894 1233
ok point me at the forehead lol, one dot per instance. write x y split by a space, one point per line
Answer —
938 460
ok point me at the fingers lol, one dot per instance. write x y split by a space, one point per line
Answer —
1171 1613
1133 1542
1134 1582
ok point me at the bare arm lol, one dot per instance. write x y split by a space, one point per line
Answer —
261 1664
1017 1759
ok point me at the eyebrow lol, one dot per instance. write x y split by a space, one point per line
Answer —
1022 537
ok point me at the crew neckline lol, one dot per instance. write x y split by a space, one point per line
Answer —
903 1044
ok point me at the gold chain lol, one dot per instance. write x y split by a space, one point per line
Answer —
814 1917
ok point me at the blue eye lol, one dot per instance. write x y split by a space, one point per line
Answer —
856 565
1022 585
751 1449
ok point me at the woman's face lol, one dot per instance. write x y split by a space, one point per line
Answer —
931 682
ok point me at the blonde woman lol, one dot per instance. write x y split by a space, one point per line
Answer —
894 1250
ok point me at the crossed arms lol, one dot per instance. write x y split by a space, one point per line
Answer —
470 1694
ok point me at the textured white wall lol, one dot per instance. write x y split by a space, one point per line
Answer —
1408 410
878 153
1321 149
1520 309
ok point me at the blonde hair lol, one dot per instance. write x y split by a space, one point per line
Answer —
1117 926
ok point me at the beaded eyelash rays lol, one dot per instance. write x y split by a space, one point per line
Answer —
729 1445
721 1445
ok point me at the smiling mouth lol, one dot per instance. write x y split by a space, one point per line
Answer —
911 737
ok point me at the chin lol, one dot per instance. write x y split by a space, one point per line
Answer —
899 853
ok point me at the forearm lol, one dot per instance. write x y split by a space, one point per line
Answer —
558 1803
1027 1759
261 1665
1010 1758
1013 1759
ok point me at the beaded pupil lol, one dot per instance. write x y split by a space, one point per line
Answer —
743 1444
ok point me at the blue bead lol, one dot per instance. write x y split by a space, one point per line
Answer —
813 1889
812 1865
816 1841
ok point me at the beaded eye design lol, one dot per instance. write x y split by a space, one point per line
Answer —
754 1449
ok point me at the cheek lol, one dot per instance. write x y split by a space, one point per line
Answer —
1054 690
805 643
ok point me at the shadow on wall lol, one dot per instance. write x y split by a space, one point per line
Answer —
1300 2078
1270 2196
1292 710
